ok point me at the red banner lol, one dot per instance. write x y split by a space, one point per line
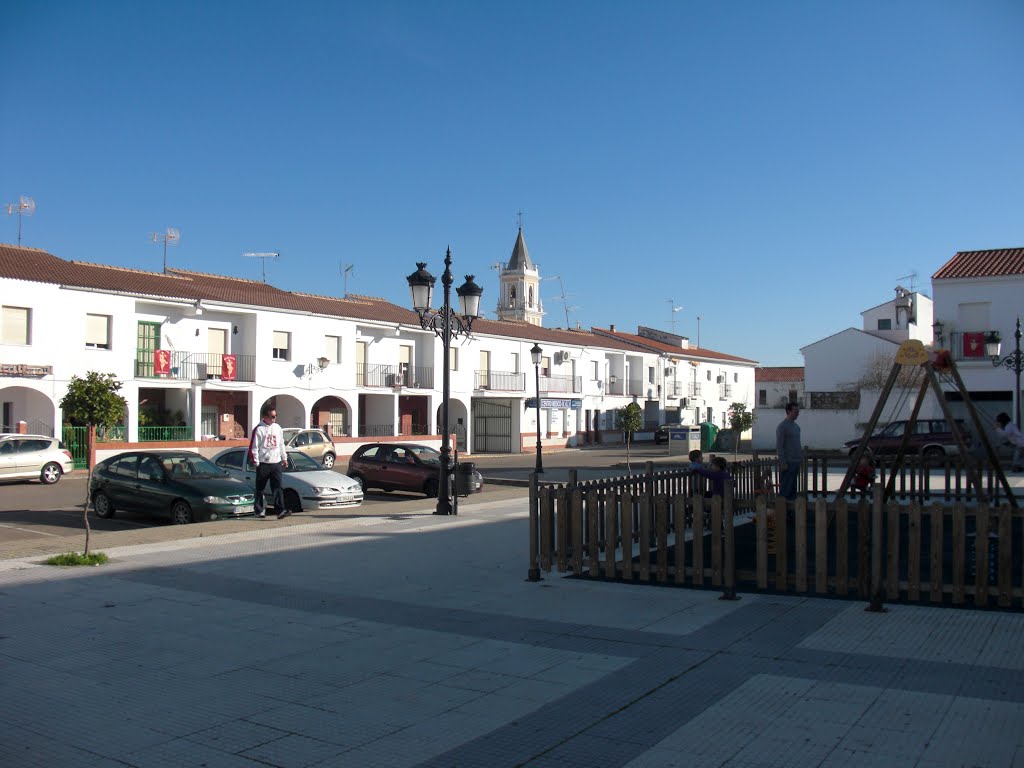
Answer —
227 368
162 362
974 344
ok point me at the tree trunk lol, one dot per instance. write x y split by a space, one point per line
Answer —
88 486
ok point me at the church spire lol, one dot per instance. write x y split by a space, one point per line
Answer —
520 287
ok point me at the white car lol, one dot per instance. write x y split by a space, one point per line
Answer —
23 457
307 485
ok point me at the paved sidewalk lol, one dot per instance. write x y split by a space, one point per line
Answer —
413 640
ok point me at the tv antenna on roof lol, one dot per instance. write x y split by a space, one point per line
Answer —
264 256
562 298
672 314
912 277
25 206
170 237
345 269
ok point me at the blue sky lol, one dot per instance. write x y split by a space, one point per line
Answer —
773 167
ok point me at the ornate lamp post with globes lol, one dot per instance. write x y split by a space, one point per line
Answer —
1014 361
446 325
536 353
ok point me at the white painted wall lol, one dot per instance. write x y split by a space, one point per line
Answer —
834 363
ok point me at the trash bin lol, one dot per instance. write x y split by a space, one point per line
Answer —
683 439
464 471
708 433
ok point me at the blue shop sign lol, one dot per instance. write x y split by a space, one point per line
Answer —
548 402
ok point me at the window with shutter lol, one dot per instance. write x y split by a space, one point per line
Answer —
15 327
97 331
282 342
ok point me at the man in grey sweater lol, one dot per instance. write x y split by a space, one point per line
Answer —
787 446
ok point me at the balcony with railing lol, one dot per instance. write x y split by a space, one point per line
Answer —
401 375
675 389
561 383
195 366
693 388
968 346
502 381
724 391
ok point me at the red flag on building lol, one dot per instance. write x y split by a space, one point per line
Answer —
227 368
162 362
974 344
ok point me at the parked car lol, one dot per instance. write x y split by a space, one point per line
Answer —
307 485
23 457
401 467
312 442
181 485
661 433
931 439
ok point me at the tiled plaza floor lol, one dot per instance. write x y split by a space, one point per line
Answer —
415 640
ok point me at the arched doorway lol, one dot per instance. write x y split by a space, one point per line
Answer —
334 413
23 404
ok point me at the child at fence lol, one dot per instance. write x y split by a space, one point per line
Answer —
696 458
865 474
717 473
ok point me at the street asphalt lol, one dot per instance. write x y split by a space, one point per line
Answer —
409 639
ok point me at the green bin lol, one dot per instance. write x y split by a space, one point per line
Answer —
708 433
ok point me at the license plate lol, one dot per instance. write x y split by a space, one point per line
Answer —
244 510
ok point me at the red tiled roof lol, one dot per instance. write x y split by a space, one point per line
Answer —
790 373
643 342
34 265
1001 261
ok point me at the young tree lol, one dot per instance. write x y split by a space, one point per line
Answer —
629 419
93 402
740 420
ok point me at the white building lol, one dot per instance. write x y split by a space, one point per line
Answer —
207 351
837 400
978 293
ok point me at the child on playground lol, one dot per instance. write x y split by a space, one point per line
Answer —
718 474
864 475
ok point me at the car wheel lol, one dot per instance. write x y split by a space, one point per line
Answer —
430 488
101 505
181 513
292 502
50 473
328 460
361 480
934 454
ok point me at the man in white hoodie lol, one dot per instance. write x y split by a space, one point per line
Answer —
267 453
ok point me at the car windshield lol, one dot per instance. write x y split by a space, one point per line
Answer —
300 462
425 454
290 433
190 466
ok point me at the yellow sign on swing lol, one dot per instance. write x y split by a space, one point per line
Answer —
911 352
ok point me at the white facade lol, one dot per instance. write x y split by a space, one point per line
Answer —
366 378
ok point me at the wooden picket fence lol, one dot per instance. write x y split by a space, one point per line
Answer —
660 528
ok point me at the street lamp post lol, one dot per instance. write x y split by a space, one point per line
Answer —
1014 361
535 353
446 325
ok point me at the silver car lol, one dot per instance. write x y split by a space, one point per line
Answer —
307 485
23 457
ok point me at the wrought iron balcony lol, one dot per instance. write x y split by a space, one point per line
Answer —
194 366
694 389
503 381
561 383
401 375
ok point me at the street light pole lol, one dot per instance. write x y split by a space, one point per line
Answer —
446 325
1014 361
536 353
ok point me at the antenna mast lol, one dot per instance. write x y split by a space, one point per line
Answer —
345 269
912 277
562 297
264 257
25 206
672 314
170 237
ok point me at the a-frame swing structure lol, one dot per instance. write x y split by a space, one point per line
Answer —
913 353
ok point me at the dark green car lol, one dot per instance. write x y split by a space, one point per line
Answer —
180 485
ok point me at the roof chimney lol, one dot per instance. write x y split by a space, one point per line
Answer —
612 327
